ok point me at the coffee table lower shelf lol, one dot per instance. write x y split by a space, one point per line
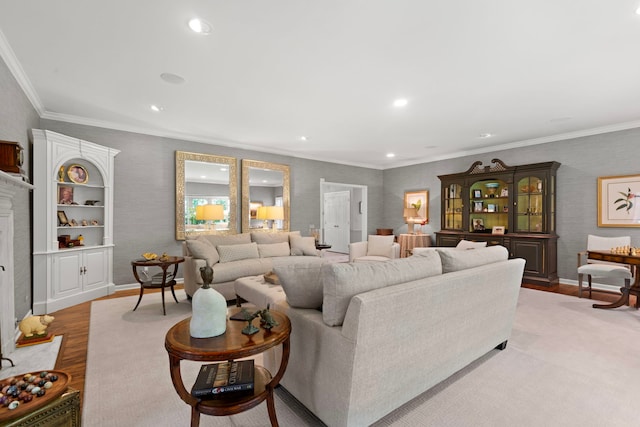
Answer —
234 404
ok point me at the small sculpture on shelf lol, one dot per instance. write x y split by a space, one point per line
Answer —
266 319
250 329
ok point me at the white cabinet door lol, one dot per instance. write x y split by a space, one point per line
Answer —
94 270
66 270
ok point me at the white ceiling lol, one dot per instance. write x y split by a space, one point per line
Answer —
272 71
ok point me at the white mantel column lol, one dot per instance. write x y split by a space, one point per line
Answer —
9 185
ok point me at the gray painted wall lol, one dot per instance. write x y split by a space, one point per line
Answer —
17 116
144 188
583 161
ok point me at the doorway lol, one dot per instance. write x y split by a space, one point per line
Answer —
352 212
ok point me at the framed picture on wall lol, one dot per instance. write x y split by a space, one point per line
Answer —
420 201
253 209
618 201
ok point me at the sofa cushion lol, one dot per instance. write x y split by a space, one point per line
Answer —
301 281
202 249
303 245
468 244
267 237
454 259
268 250
230 253
342 281
230 271
379 246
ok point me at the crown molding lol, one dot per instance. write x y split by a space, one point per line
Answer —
15 68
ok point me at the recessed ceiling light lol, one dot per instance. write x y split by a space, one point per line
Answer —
156 108
304 138
400 102
485 135
203 176
390 155
638 11
200 26
172 78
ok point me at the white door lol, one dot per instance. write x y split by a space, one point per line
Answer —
337 212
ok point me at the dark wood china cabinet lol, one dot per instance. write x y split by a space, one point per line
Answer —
512 206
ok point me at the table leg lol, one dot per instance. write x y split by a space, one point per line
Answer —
195 417
624 298
164 310
271 407
173 292
139 298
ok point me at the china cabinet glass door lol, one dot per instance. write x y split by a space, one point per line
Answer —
453 207
530 205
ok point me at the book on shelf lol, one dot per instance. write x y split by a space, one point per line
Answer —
156 279
224 378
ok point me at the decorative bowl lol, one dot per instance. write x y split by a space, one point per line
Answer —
149 256
492 187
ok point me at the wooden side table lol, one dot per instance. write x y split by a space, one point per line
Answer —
163 264
410 241
233 344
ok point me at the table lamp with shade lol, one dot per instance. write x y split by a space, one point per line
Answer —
410 215
209 213
275 213
261 213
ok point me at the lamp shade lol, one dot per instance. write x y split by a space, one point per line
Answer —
209 212
410 212
275 212
261 213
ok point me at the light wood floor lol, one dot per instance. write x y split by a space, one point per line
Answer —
73 323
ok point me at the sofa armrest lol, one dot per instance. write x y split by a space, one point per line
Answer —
358 249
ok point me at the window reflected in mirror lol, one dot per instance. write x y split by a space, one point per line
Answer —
206 194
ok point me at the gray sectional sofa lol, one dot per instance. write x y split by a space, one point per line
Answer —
241 255
389 331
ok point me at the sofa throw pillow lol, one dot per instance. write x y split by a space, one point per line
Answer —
301 282
379 245
468 244
230 253
455 260
269 250
303 245
342 281
203 250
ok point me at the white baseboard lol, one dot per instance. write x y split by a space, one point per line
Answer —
594 285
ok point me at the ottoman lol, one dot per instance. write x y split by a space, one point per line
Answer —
257 291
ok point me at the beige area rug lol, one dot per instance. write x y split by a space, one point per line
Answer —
566 364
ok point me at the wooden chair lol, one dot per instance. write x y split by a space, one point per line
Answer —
603 269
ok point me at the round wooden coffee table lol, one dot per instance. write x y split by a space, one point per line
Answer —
233 344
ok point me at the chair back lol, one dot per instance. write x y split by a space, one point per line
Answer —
598 243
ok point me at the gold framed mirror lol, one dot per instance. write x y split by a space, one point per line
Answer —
265 196
206 194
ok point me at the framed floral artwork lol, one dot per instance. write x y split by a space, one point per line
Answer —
618 199
420 201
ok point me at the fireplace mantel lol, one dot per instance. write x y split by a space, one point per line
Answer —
9 185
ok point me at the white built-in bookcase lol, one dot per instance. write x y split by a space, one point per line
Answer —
65 276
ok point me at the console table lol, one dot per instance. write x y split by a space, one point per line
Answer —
634 261
233 344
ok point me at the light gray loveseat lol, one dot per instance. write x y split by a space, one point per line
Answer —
240 255
389 331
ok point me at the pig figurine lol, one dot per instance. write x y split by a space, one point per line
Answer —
35 325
